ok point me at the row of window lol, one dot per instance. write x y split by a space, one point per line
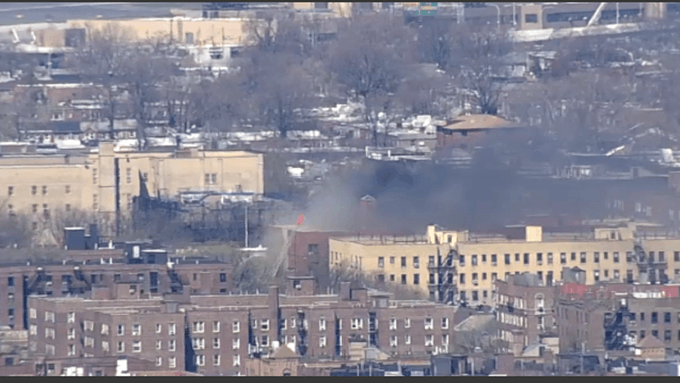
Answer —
654 317
198 327
199 343
667 335
597 256
404 278
416 262
200 360
34 190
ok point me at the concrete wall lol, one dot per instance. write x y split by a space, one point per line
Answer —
178 29
89 185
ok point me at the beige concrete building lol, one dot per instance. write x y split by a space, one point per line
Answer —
38 185
181 30
447 262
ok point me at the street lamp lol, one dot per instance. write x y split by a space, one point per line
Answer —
498 14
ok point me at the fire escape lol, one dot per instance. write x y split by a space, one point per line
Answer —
176 285
338 337
443 269
76 284
252 338
615 331
651 270
302 333
372 329
36 283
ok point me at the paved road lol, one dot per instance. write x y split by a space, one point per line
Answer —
25 13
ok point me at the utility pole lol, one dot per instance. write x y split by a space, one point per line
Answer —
583 350
246 223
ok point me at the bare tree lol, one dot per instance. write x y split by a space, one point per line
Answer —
480 339
14 231
425 91
104 59
61 219
358 279
370 59
437 40
144 73
482 51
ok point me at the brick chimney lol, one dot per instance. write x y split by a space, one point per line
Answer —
345 291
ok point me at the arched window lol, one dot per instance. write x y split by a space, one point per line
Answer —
540 301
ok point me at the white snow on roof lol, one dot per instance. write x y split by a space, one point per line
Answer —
69 144
126 145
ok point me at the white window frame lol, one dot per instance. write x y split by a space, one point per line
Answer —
198 343
322 324
407 323
71 317
120 347
429 340
136 346
121 329
357 324
236 344
172 345
216 343
200 360
105 329
198 327
172 329
393 323
394 341
407 339
264 324
71 334
216 326
429 324
236 361
172 362
236 327
33 313
322 341
136 329
159 328
71 350
216 360
159 361
445 323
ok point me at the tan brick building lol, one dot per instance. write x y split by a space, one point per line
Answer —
449 261
106 180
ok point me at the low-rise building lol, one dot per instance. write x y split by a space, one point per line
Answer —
468 264
105 181
73 275
223 331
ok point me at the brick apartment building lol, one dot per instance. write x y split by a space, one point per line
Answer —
119 321
524 310
150 274
617 316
